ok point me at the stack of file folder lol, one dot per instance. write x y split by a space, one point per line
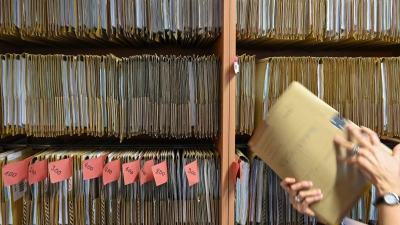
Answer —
111 185
259 198
362 89
321 23
162 96
245 94
138 23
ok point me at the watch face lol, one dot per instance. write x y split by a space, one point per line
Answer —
391 199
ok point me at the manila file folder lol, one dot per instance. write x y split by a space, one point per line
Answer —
296 140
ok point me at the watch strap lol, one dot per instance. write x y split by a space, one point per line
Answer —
379 200
382 199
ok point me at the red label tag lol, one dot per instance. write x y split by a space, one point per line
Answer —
192 173
60 170
15 173
237 170
112 171
160 173
38 171
131 171
93 168
146 173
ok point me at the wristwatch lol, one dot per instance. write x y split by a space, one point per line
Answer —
389 199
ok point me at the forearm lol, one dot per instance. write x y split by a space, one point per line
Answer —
389 215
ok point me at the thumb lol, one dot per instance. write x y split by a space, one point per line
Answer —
396 151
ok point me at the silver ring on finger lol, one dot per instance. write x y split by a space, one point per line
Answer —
297 199
355 149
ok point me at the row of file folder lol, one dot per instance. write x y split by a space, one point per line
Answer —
329 22
259 198
363 90
136 23
245 91
162 96
100 200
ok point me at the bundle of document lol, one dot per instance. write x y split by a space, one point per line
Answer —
363 90
136 23
162 96
305 23
12 196
71 191
365 211
245 94
259 198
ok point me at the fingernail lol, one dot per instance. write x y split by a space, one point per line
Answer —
310 183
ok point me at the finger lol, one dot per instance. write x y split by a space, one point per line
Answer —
396 151
310 200
344 143
304 206
366 168
309 212
348 160
302 209
372 135
295 188
356 133
362 152
287 182
308 193
367 154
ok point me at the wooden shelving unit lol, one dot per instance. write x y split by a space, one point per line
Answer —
223 47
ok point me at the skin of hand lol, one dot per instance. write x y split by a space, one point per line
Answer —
308 196
303 190
380 168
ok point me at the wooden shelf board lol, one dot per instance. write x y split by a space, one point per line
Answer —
264 53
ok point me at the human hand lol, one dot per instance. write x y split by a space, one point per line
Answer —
305 195
379 167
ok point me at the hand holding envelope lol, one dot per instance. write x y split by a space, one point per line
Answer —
295 140
372 158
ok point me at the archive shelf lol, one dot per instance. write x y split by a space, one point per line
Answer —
224 47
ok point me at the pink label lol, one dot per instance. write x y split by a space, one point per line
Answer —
60 170
160 173
93 168
131 171
192 173
146 173
38 171
112 171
